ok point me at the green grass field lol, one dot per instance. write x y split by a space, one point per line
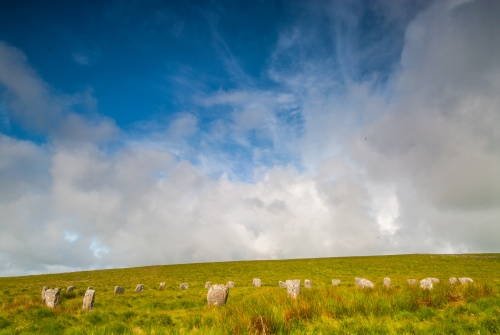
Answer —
323 309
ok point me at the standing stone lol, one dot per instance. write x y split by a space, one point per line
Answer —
426 284
387 282
119 290
363 283
139 288
70 289
411 282
88 300
453 280
230 284
335 282
308 283
217 295
465 280
162 285
282 284
52 297
257 282
184 286
208 284
293 288
45 288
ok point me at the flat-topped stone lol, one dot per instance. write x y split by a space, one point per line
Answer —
426 284
88 300
335 282
217 295
257 282
52 297
293 288
363 283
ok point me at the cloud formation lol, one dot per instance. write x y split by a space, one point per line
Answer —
340 158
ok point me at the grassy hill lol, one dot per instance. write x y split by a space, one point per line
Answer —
470 309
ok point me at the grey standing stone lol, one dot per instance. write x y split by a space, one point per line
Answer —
139 288
282 284
230 284
363 283
465 280
88 300
257 282
387 282
184 286
217 295
162 285
411 282
45 288
293 288
308 283
453 280
426 284
335 282
70 289
208 284
52 297
119 290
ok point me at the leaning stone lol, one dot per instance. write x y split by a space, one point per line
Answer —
411 282
282 284
70 289
293 288
88 300
257 282
426 284
139 288
308 283
465 280
335 282
119 290
387 282
52 297
230 284
217 295
363 283
184 286
45 288
162 285
208 284
453 280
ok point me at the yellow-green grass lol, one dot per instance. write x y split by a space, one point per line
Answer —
324 309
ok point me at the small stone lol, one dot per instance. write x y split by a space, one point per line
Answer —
162 285
453 280
88 300
411 282
387 282
184 286
363 283
230 284
308 283
426 284
257 282
52 297
465 280
70 289
139 288
208 284
217 295
335 282
45 288
90 288
434 280
119 290
282 284
293 288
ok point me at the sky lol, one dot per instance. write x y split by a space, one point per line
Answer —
161 132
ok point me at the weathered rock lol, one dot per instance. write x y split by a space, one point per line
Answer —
139 288
282 284
208 284
411 282
363 283
184 286
217 295
426 284
335 282
230 284
434 280
387 282
45 288
88 300
465 280
119 290
52 297
70 289
162 285
308 283
257 282
293 288
453 280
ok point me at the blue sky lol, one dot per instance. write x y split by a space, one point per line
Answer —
145 132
